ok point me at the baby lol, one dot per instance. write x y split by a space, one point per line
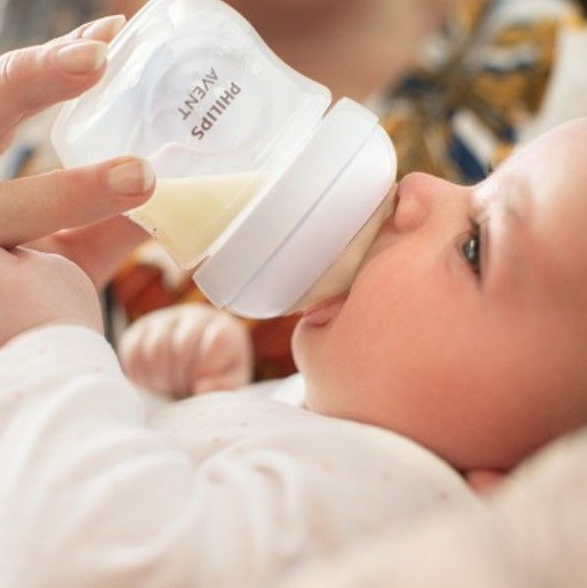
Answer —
465 329
462 340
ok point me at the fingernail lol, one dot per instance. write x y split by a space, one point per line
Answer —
131 176
82 56
105 28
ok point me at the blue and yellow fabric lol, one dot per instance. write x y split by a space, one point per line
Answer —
480 82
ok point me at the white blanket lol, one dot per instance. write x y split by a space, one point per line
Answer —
533 534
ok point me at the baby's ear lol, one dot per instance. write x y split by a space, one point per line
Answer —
483 481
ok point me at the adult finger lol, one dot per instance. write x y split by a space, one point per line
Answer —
103 29
99 249
35 78
33 207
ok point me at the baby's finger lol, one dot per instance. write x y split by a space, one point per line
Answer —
222 383
130 349
225 356
236 372
41 205
146 354
185 343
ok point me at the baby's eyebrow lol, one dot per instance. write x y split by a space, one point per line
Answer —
508 193
517 200
508 197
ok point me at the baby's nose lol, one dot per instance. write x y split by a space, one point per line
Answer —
413 202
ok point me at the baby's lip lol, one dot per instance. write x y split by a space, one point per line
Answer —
322 313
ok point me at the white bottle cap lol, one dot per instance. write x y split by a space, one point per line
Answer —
273 256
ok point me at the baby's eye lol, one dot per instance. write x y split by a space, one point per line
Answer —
471 248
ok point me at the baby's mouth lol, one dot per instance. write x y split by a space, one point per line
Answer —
322 313
340 276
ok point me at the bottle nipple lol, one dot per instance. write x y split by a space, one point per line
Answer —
339 277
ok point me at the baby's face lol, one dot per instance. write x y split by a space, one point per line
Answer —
473 343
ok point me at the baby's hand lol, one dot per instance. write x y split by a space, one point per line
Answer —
39 289
188 349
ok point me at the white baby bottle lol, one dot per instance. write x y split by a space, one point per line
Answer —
270 202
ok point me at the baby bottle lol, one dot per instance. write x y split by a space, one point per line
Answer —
267 199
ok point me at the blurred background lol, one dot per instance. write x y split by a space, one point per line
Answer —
458 84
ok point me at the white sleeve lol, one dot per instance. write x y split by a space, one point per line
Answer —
90 496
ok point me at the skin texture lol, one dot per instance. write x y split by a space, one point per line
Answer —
481 368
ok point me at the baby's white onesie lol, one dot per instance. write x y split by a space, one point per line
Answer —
224 490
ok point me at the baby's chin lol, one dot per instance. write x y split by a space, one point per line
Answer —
310 332
298 347
306 342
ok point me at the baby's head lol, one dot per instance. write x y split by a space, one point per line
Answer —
471 341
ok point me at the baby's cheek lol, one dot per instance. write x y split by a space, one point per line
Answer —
327 357
354 355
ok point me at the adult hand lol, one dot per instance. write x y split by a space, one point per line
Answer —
39 289
34 211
